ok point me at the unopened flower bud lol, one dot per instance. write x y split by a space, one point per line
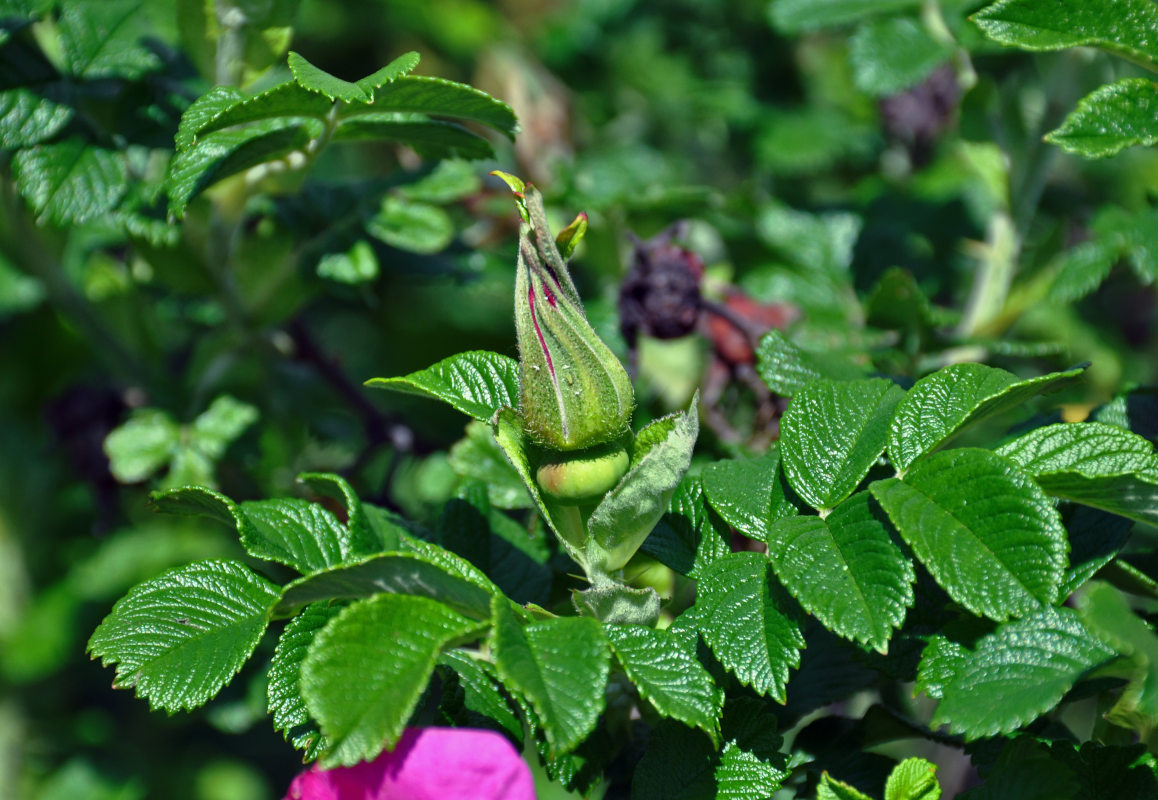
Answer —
574 392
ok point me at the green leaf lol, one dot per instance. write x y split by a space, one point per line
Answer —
832 434
224 107
286 704
786 368
1125 27
316 80
690 536
70 181
1018 672
396 573
366 670
846 570
560 666
141 446
198 501
1105 611
1082 270
417 227
748 493
178 638
799 16
678 764
403 65
668 677
742 616
941 405
1111 118
750 766
216 157
821 242
893 54
484 703
430 138
1094 464
448 182
987 534
423 95
356 265
302 535
364 539
628 513
479 457
205 109
28 118
106 39
913 779
221 423
830 788
478 383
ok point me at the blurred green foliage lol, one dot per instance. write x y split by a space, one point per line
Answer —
876 168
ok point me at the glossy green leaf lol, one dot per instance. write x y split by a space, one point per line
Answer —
1111 118
750 765
1094 464
364 540
141 446
417 227
397 573
317 80
893 54
286 704
477 383
1125 27
913 779
224 107
832 434
400 66
483 701
560 666
366 670
987 534
941 405
425 95
748 493
786 368
195 501
628 513
690 535
179 637
799 16
228 152
70 181
28 117
668 677
302 535
743 616
1018 672
845 570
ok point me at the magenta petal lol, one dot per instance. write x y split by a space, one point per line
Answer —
456 764
427 764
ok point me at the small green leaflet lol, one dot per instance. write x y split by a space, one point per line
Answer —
366 670
987 534
787 368
398 573
1018 672
913 779
748 493
178 638
668 677
478 457
799 16
560 666
478 383
483 701
845 570
1111 118
286 705
1094 464
417 227
70 181
740 612
893 54
832 434
941 405
1125 27
302 535
830 788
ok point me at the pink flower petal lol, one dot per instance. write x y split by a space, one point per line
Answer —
427 764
